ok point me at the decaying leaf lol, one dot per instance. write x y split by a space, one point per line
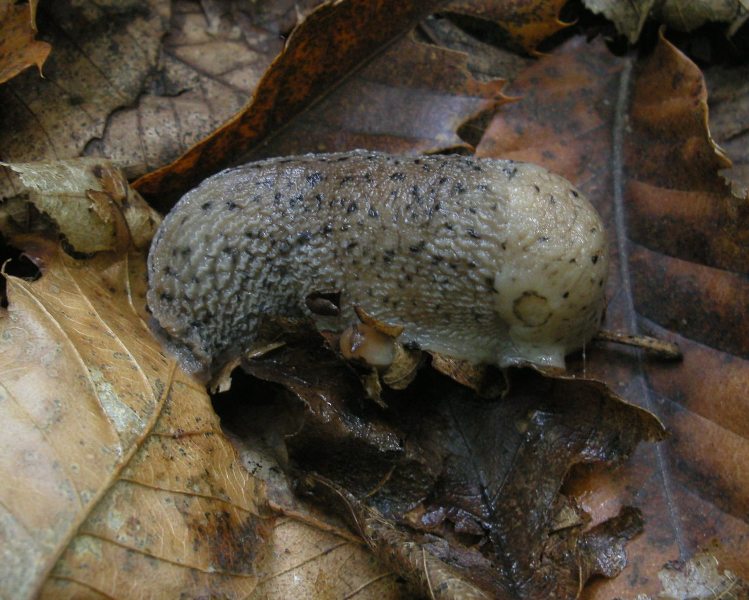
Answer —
634 136
728 88
311 553
526 24
305 561
277 17
700 578
318 87
683 15
19 49
117 478
689 15
426 572
89 202
334 40
209 65
442 466
103 53
427 472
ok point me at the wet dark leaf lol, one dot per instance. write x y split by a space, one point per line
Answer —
481 479
634 136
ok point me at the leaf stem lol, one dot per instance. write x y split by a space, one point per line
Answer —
657 347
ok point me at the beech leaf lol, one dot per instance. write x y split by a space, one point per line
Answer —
125 91
641 150
333 89
463 473
113 462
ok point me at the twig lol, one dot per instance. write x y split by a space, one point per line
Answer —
659 348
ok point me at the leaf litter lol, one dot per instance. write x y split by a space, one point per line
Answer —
471 484
355 436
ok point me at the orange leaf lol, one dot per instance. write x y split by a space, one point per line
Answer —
18 48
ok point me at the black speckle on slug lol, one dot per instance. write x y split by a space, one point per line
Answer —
471 283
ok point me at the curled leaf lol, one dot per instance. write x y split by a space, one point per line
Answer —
19 49
90 203
462 473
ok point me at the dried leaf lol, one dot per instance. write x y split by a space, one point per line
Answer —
303 88
103 54
689 15
113 461
146 110
307 562
19 49
634 137
526 23
311 552
447 96
729 120
572 117
90 203
210 63
311 63
683 15
628 17
699 578
429 575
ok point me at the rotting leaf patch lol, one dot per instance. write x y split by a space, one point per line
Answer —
473 483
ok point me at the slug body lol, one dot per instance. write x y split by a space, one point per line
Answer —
491 261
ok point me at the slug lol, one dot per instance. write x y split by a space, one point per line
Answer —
486 260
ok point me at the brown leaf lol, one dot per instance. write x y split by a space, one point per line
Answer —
210 62
634 137
484 474
310 83
683 15
113 461
331 43
417 98
525 23
427 573
572 117
729 119
700 577
312 554
308 562
687 16
125 91
19 49
276 16
103 53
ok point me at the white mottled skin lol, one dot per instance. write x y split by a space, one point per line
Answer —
487 260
